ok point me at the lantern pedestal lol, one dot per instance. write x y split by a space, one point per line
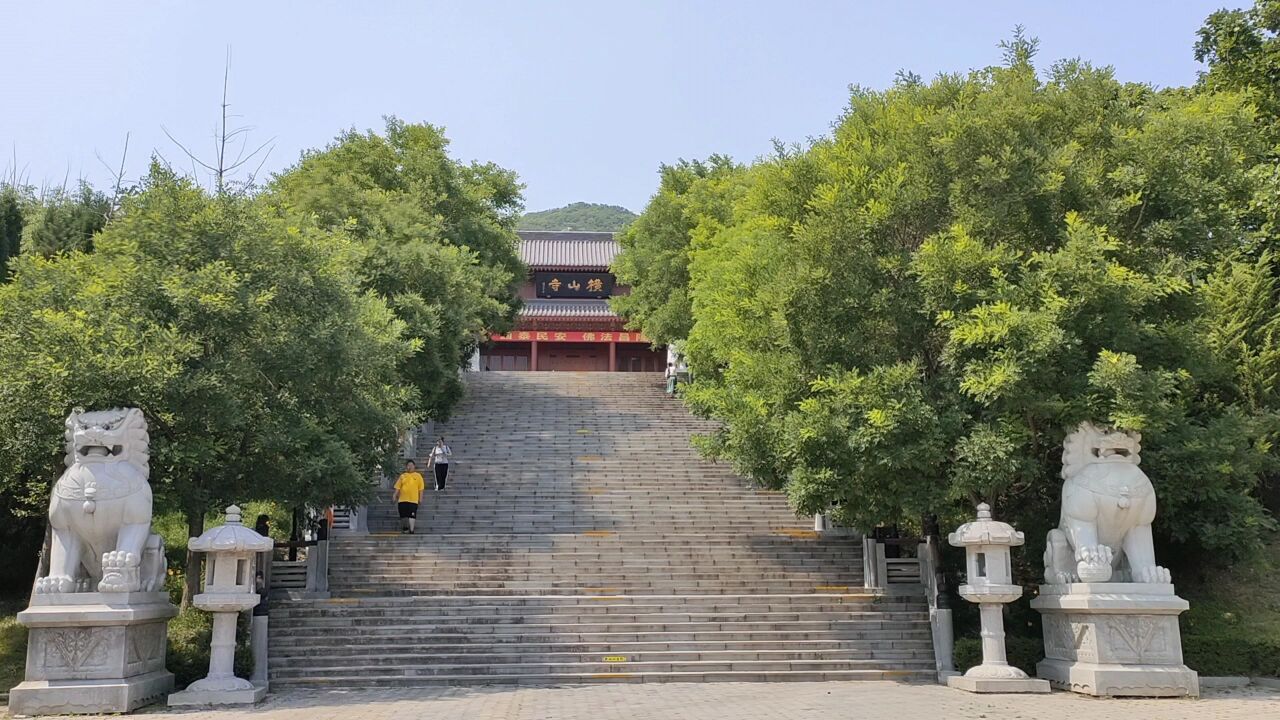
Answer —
989 569
1114 639
229 582
995 674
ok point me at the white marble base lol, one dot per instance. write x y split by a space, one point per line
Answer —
1114 639
96 697
998 685
248 696
94 653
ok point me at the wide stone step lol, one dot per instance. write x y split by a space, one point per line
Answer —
542 668
557 654
355 681
493 617
595 603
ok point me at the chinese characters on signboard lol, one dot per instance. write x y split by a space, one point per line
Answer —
573 284
570 336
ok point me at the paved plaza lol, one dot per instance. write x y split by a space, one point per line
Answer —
731 701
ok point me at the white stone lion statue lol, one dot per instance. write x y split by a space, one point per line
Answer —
1108 503
100 512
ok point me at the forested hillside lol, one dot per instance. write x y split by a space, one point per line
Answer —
579 216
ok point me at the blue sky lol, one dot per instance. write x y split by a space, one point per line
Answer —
583 99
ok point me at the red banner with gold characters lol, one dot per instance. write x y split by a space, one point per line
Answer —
569 336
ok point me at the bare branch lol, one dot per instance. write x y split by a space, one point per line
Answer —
185 150
117 175
253 176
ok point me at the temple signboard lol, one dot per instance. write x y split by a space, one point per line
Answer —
573 284
570 336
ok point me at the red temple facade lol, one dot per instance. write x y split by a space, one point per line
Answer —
566 323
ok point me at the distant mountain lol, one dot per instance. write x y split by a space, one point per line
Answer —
579 216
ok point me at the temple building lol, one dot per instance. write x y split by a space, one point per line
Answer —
566 323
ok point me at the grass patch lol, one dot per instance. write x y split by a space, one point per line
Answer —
13 643
189 636
1022 652
1233 626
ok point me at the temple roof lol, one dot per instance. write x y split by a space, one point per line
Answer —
594 309
564 250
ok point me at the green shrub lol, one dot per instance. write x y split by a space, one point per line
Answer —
1023 652
13 644
189 636
1232 653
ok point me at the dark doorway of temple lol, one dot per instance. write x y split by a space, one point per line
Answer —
570 357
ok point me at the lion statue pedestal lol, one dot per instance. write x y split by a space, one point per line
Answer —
1109 612
99 614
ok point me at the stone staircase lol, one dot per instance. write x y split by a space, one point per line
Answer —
581 538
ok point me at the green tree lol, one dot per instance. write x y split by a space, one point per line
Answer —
264 371
579 216
11 211
1242 49
435 239
908 316
694 200
65 221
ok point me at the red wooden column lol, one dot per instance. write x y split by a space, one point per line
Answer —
613 356
533 355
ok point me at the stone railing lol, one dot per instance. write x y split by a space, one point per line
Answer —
307 576
935 593
889 571
915 567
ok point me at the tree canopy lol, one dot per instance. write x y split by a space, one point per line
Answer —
907 316
263 369
435 238
579 216
694 200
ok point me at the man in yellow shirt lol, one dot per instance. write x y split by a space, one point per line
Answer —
409 487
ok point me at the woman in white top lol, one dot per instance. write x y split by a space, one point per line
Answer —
440 459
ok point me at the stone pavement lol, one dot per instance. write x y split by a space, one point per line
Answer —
730 701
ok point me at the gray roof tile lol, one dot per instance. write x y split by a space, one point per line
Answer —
594 309
541 249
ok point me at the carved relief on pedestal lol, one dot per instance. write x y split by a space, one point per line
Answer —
75 649
1140 639
76 653
146 651
1069 637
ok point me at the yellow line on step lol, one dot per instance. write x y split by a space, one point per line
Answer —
590 458
797 533
831 588
599 533
340 601
584 431
606 676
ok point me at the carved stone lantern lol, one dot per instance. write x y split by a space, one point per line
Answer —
229 588
987 544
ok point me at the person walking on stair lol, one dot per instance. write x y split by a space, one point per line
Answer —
440 459
408 489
